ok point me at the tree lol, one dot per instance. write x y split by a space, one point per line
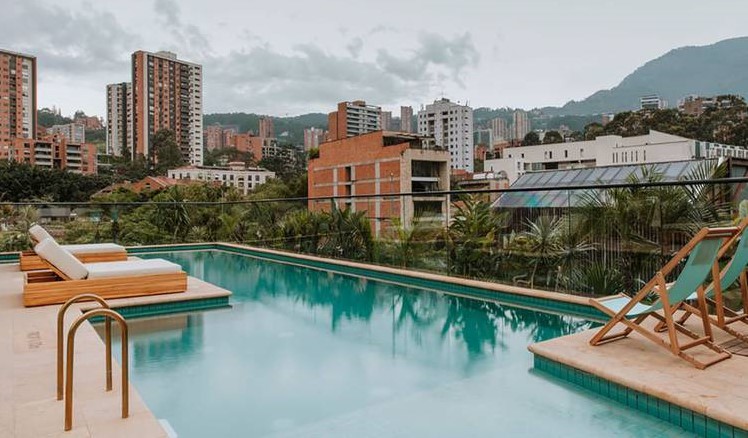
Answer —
167 152
531 139
593 130
552 137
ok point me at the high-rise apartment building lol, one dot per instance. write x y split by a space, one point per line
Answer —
313 137
72 132
451 125
352 119
119 116
406 119
17 98
499 129
266 127
385 121
167 94
213 137
520 125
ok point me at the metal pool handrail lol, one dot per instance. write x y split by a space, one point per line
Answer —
60 346
107 314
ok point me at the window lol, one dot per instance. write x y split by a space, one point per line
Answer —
566 154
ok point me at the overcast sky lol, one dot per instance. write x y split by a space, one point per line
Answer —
291 57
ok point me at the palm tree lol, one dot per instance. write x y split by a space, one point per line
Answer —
473 238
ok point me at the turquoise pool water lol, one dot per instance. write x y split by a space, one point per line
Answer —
305 353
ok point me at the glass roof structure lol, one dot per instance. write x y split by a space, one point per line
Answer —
671 171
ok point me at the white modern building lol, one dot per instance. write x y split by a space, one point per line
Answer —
72 132
651 102
234 175
119 127
451 125
608 150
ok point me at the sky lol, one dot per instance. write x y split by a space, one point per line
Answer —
290 57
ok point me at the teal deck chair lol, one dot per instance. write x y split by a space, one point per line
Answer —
702 252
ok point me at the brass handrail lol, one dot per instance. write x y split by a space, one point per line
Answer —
60 322
107 314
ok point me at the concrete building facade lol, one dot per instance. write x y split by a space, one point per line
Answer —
167 94
381 163
266 128
521 125
17 98
499 129
352 119
245 179
406 119
451 126
119 115
651 102
313 137
72 132
385 123
608 150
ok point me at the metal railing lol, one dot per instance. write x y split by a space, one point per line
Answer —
108 314
592 239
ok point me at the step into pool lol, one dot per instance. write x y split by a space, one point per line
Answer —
308 353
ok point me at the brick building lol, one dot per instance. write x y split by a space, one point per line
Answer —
266 128
260 147
382 163
406 119
213 137
313 137
17 98
167 94
352 119
54 152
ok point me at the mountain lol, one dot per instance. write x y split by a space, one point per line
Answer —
720 68
294 126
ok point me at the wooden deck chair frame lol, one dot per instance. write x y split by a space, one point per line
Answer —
659 285
30 261
52 286
724 316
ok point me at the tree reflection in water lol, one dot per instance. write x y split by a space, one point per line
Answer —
479 325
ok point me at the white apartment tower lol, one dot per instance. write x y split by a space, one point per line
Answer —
451 125
119 118
167 94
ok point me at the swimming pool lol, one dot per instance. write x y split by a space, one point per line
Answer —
306 353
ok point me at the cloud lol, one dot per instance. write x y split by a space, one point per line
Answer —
186 38
68 40
311 77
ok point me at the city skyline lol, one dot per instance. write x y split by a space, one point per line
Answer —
265 69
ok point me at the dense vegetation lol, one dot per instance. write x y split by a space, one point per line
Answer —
23 182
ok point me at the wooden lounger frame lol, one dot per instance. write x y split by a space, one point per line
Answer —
30 261
51 286
658 285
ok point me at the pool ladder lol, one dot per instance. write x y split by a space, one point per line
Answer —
109 315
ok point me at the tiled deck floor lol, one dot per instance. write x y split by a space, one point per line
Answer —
28 405
719 392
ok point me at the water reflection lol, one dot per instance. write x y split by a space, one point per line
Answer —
478 326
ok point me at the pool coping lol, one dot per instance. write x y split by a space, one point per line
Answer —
647 378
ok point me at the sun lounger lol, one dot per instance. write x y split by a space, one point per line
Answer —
67 276
86 253
702 253
735 271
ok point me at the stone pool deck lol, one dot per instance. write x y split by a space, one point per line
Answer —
28 403
719 392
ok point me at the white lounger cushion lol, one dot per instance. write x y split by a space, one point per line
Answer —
65 262
131 268
39 234
94 248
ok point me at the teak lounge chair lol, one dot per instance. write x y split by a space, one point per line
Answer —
734 271
702 253
89 253
68 277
